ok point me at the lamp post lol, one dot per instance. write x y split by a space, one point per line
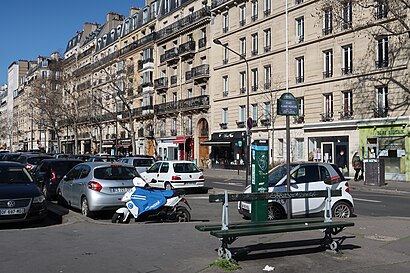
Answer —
248 126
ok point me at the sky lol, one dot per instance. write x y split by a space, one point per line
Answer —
33 28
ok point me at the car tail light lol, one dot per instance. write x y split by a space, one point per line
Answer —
347 187
29 167
53 177
201 177
95 186
174 177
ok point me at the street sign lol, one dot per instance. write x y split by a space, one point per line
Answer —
249 123
287 105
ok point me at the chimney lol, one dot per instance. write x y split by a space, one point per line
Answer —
134 10
55 56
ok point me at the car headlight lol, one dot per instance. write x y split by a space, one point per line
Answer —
39 199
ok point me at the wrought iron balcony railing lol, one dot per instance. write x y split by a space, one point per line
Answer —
161 83
346 115
202 42
187 48
326 117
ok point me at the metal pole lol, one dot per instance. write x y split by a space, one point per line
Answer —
289 202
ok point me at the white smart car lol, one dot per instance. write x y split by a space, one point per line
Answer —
174 174
309 176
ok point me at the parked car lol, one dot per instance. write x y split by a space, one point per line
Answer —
96 186
32 160
102 159
20 198
11 157
309 176
49 172
84 158
141 163
174 174
61 156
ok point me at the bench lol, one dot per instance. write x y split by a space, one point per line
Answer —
229 232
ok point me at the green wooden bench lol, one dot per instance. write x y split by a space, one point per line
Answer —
229 232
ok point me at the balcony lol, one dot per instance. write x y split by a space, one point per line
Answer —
202 43
242 22
240 124
147 84
347 70
254 17
161 84
254 52
300 79
200 72
326 117
267 85
166 108
187 49
170 55
185 105
254 88
242 90
218 3
223 125
346 115
147 110
299 119
380 112
266 12
174 79
346 25
173 132
327 31
327 74
382 63
267 48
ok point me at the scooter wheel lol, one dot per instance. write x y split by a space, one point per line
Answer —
182 215
119 218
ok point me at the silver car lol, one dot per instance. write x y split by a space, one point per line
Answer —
96 186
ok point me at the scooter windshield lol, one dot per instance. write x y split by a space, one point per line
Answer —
149 199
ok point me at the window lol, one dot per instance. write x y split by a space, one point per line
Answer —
174 125
226 52
347 107
242 82
254 10
300 70
225 115
254 80
327 107
255 44
300 29
174 97
242 46
242 113
225 85
164 167
266 7
382 52
327 64
327 21
203 90
280 147
189 93
267 72
267 111
347 14
382 102
306 174
255 115
347 59
299 149
381 9
301 105
242 15
225 23
267 39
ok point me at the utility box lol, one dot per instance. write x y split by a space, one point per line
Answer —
374 171
260 169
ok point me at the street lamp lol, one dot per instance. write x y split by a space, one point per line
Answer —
247 145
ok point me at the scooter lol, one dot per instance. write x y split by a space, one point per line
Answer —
144 203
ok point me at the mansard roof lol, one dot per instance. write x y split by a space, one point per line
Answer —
73 42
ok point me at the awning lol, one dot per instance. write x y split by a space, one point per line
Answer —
215 143
181 140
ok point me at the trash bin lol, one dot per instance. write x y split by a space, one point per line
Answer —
374 171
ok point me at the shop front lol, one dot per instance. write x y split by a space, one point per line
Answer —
185 147
167 149
388 141
108 147
227 150
124 147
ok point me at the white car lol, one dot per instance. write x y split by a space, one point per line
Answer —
309 176
174 174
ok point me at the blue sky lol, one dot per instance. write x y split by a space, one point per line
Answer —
40 27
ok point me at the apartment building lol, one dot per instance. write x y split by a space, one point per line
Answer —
3 116
347 74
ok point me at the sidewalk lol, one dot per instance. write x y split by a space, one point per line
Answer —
391 185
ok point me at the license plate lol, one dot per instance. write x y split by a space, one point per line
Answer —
12 211
117 190
245 206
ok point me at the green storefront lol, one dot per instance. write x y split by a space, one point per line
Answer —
387 140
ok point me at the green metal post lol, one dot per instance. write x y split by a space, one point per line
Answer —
260 168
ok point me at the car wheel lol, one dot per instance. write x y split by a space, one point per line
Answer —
182 215
275 212
119 218
85 209
342 210
168 186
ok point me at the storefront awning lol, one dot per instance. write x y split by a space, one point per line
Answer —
181 140
216 143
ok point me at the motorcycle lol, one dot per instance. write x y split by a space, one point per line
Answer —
144 203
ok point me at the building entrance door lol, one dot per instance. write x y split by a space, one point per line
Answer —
328 152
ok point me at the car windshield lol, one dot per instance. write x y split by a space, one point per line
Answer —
143 162
115 173
185 168
11 157
14 175
277 173
35 160
61 168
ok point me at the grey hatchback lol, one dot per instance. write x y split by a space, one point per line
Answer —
96 186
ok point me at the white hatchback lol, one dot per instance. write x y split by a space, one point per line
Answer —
309 176
174 174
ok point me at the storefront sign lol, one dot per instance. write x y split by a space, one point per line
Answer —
390 132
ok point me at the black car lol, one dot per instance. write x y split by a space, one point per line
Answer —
20 198
32 160
84 158
11 156
49 172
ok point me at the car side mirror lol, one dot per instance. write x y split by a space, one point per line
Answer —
65 178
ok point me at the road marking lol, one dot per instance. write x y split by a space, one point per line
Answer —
366 200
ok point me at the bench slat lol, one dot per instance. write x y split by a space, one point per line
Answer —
220 198
238 225
240 232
